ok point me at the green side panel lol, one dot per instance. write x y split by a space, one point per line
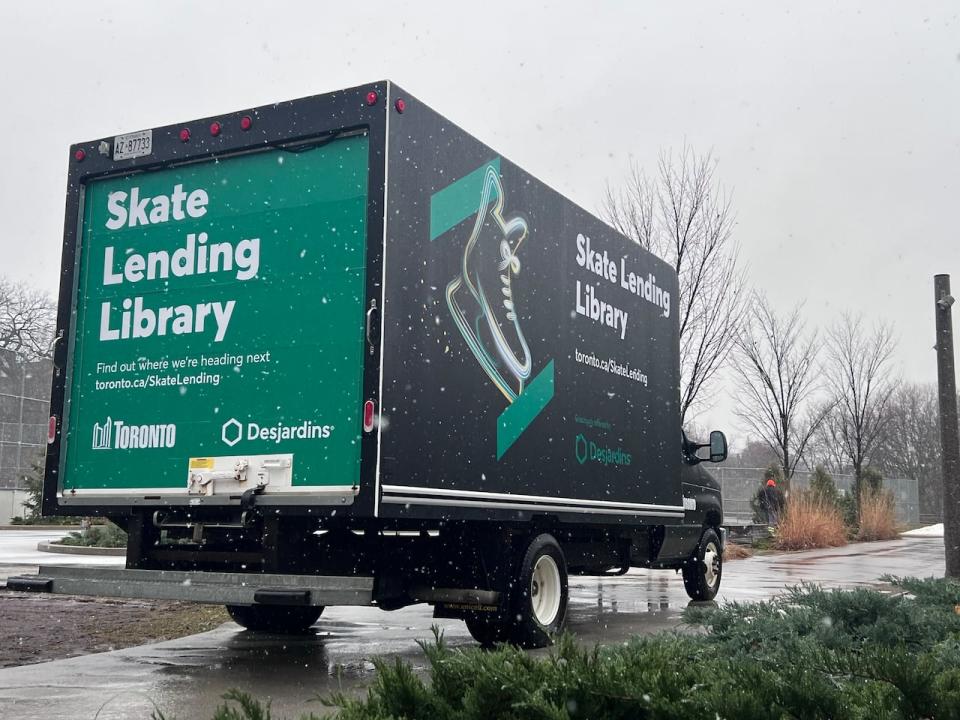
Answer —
458 201
232 325
518 415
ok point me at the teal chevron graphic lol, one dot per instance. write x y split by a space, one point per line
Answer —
518 415
458 201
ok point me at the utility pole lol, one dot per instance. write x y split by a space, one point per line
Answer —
949 434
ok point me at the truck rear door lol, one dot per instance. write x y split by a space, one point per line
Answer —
217 344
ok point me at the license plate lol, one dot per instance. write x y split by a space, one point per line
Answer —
133 145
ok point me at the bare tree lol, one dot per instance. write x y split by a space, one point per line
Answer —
683 216
27 320
862 377
910 446
755 454
777 379
826 447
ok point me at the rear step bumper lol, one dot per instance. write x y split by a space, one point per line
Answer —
205 587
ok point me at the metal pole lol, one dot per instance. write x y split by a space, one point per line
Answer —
949 434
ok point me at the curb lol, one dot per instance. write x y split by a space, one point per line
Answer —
55 547
41 528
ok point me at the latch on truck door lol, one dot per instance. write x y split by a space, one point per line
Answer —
371 316
226 475
201 480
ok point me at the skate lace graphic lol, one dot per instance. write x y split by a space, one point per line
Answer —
489 322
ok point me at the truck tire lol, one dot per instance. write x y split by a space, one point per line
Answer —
539 599
487 631
702 573
284 619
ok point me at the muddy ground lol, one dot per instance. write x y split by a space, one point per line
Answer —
38 627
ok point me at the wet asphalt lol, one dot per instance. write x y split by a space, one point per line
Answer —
185 678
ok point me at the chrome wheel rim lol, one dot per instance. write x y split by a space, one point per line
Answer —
545 590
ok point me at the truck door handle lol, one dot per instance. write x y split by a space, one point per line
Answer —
370 312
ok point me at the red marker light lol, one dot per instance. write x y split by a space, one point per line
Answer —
400 105
372 98
246 122
185 135
79 155
368 413
52 429
215 128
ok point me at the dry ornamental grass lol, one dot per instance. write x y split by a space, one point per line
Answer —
877 516
809 522
733 551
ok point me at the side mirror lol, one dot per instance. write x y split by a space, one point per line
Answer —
718 446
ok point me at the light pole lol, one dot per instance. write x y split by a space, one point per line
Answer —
949 435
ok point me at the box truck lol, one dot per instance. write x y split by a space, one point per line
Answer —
338 351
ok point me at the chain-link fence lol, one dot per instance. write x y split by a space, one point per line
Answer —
24 410
740 485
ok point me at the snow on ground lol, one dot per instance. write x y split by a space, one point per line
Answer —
928 531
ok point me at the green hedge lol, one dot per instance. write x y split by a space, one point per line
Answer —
106 535
812 653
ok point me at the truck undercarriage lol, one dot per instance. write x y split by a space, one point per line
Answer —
277 572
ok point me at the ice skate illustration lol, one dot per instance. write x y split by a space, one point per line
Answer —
481 298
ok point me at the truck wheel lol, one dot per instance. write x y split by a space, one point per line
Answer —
701 575
486 631
285 619
539 602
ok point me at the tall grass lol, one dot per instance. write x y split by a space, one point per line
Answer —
735 551
877 516
810 521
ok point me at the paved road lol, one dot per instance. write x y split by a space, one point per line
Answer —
18 553
186 677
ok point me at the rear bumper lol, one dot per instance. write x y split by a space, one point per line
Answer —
204 587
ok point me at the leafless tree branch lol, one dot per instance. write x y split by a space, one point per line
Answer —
910 445
862 379
27 320
777 378
683 216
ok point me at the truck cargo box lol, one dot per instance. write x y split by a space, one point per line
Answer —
347 306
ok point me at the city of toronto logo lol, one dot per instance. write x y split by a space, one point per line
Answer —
101 435
119 435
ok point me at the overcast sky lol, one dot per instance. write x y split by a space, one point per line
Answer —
836 126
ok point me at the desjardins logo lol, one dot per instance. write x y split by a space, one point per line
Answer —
588 451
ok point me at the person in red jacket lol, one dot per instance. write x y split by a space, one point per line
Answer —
772 502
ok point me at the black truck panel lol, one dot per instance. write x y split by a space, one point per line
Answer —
530 351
